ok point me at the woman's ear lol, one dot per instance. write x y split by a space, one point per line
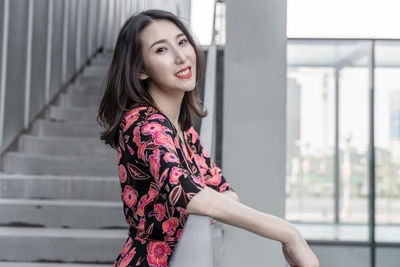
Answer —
143 75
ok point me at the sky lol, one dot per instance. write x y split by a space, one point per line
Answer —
320 18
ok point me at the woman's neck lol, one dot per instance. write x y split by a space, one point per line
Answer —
169 104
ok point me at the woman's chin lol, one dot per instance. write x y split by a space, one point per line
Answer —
189 87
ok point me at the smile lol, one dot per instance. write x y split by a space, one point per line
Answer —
185 74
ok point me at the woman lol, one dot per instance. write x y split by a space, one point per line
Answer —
165 172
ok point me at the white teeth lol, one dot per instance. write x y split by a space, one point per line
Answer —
183 72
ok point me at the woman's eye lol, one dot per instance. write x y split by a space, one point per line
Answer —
159 49
184 41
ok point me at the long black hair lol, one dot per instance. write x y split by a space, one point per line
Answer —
124 89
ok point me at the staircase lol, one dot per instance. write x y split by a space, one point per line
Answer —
59 192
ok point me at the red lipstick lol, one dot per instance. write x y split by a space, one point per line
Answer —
187 73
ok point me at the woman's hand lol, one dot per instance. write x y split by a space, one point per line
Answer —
298 254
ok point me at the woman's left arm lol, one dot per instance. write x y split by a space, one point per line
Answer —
231 195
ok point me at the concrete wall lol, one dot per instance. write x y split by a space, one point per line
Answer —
254 122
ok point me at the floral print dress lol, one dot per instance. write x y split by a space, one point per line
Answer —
159 175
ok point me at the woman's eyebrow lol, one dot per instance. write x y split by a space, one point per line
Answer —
164 40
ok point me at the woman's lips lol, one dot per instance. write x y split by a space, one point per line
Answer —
185 74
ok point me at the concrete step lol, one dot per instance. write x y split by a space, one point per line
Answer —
83 99
90 81
61 245
56 145
80 88
17 162
43 127
60 187
102 60
89 95
73 114
95 71
61 213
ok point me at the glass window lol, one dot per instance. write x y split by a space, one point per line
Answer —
324 187
310 129
353 144
387 140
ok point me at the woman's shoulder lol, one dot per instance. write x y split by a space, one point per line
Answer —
142 114
139 109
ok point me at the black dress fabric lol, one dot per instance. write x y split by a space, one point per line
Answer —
159 175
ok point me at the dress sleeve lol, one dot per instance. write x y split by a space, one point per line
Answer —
152 139
212 173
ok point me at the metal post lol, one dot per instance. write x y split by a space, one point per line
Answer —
4 69
28 64
65 42
48 49
91 6
78 35
371 158
336 160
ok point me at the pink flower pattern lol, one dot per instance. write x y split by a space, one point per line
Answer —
155 207
171 157
127 246
158 254
130 196
175 174
170 225
153 127
122 173
128 258
201 162
154 160
160 211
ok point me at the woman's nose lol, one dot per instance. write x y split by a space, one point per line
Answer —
179 56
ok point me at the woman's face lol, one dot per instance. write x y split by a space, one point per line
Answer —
169 59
